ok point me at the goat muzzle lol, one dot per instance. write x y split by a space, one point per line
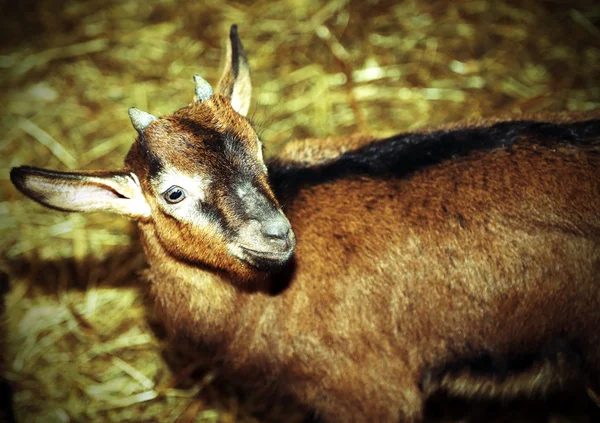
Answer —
267 243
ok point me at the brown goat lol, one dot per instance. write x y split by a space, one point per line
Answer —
464 259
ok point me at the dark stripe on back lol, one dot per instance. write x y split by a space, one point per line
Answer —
402 154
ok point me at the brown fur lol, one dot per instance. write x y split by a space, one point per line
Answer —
445 270
317 151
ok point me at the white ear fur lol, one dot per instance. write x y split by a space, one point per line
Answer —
117 192
235 82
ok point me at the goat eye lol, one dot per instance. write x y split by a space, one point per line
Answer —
174 194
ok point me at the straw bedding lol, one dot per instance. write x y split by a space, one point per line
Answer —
80 339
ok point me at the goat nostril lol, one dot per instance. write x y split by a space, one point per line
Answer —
276 229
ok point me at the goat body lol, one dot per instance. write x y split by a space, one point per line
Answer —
404 284
464 259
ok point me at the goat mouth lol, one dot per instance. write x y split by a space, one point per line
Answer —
265 259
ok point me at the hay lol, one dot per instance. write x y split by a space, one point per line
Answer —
82 343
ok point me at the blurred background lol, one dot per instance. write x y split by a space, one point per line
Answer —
80 341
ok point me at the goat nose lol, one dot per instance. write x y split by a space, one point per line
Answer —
276 229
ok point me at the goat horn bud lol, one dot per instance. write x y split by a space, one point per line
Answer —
139 119
203 90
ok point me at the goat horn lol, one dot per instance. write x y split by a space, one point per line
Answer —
203 90
139 119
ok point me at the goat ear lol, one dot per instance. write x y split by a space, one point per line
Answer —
117 192
235 81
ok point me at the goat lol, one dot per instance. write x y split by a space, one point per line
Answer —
361 275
